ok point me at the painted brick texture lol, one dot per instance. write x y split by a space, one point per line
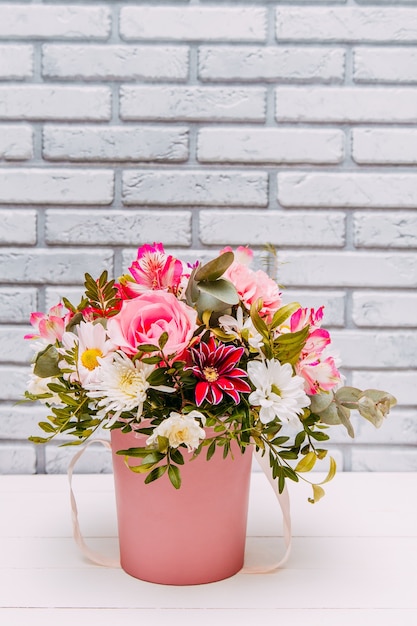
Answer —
205 123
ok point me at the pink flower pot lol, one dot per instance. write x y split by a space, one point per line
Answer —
187 536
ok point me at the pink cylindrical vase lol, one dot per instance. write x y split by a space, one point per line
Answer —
187 536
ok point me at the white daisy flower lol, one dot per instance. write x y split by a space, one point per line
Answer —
93 349
279 393
122 386
236 327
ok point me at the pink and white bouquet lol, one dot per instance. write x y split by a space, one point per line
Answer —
194 358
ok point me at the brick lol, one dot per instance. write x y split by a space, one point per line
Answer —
195 188
54 267
386 348
16 142
275 227
17 459
96 460
13 348
385 65
270 145
16 61
17 303
54 294
114 62
347 189
374 309
401 384
250 63
333 301
13 382
17 227
348 269
67 22
385 230
165 102
377 459
383 146
344 104
348 24
56 186
118 227
57 102
400 427
20 421
115 143
193 23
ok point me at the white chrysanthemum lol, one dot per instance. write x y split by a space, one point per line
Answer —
279 392
93 349
178 429
236 327
122 386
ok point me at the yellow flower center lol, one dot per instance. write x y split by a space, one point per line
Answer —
276 390
210 374
89 358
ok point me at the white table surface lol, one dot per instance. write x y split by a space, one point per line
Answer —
353 560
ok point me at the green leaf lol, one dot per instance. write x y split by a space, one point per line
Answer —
162 340
147 347
288 454
134 452
47 427
46 364
215 268
174 476
176 456
151 360
307 463
39 439
221 289
284 313
156 473
211 450
278 441
258 322
300 438
319 436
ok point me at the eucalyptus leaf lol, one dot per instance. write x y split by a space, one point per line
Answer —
215 268
46 364
221 289
320 401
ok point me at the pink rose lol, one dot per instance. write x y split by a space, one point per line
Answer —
252 286
145 318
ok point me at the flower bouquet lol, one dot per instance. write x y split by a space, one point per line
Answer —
194 359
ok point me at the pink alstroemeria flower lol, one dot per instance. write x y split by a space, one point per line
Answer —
152 270
49 326
215 367
303 317
318 369
319 375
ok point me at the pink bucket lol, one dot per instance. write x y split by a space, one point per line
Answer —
187 536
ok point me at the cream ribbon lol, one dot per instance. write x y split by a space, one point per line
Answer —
99 559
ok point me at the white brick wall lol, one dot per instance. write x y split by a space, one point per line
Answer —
203 123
